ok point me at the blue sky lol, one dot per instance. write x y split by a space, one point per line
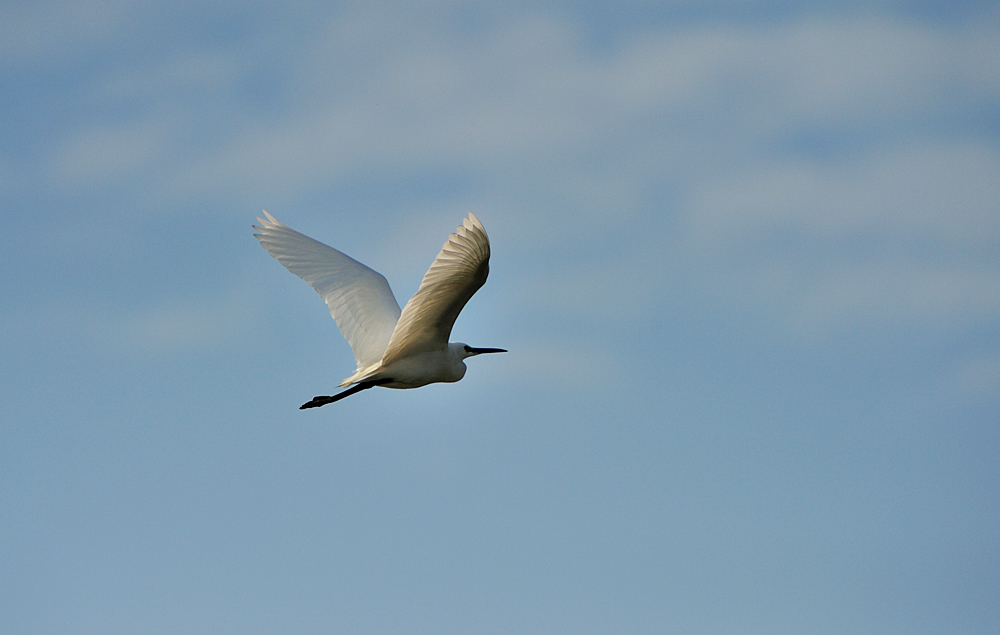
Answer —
746 260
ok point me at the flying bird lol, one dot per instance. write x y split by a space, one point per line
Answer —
393 348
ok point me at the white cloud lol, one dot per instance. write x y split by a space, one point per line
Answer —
902 235
975 377
100 155
50 29
184 327
177 327
577 146
886 295
943 191
368 93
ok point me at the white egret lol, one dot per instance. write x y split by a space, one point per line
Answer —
393 348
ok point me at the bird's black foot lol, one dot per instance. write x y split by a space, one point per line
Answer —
322 400
317 401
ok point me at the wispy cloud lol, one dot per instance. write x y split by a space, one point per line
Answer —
51 30
97 156
900 235
811 167
178 327
182 328
976 377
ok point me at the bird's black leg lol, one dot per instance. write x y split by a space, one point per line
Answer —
322 400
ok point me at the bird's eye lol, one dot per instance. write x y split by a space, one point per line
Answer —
466 349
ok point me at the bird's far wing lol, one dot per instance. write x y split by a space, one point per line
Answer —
456 274
359 298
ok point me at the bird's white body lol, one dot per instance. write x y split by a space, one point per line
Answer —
393 348
419 370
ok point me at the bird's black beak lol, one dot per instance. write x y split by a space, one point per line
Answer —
480 351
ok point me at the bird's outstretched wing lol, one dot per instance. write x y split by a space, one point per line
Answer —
456 274
359 298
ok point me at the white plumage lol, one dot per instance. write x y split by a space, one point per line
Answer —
393 348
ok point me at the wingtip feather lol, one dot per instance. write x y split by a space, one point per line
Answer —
471 224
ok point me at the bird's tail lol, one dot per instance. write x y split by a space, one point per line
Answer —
362 375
